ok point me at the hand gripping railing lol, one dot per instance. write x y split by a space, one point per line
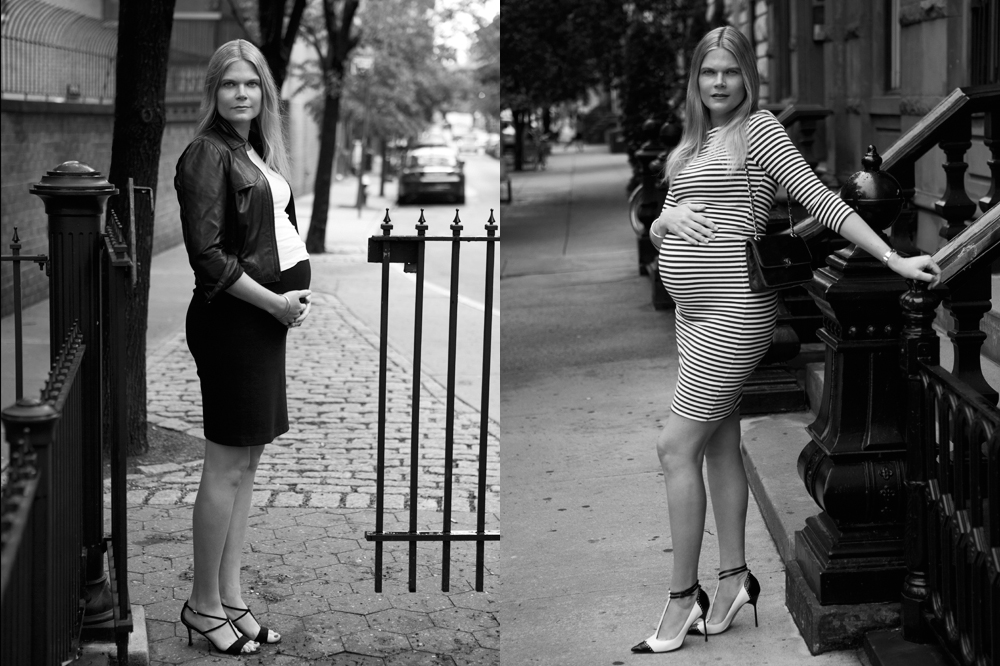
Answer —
409 250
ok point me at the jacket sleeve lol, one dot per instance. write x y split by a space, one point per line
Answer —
202 191
771 148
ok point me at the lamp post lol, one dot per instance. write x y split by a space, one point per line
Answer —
361 64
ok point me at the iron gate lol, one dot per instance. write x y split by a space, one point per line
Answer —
410 251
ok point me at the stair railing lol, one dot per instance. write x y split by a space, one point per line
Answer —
951 592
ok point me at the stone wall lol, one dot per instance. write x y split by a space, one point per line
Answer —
38 136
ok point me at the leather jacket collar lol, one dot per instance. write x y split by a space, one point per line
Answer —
233 138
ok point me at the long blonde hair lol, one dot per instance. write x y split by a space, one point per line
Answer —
732 137
269 120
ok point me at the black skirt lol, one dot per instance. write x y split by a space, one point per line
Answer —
240 353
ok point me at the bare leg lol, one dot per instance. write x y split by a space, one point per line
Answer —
221 475
727 482
681 449
232 554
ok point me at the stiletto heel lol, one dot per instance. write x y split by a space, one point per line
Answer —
698 612
236 648
262 635
748 594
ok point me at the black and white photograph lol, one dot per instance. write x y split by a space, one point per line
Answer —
272 391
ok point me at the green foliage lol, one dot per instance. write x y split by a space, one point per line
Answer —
407 80
555 50
486 53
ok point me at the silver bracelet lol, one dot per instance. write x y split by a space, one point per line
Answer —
885 257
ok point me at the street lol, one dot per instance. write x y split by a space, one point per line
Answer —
360 289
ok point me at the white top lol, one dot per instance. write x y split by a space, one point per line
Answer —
291 248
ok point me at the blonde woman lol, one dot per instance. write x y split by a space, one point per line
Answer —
723 329
252 276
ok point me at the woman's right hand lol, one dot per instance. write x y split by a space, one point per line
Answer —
293 304
685 221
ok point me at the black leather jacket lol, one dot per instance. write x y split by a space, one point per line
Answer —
227 214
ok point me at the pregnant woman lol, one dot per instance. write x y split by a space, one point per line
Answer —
729 150
252 276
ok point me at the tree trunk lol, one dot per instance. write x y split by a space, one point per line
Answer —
275 45
519 122
140 117
316 238
383 170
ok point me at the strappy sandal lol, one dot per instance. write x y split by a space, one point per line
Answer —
236 648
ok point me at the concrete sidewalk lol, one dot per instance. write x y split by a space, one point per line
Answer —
308 571
588 368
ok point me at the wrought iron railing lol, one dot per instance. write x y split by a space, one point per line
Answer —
952 587
54 495
409 250
42 517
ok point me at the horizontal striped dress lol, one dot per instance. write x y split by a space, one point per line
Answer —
724 329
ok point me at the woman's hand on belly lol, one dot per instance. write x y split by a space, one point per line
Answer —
687 222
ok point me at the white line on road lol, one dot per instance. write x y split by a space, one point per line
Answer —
464 300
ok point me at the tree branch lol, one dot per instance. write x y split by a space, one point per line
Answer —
294 20
239 17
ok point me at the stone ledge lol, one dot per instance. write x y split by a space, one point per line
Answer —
836 627
99 653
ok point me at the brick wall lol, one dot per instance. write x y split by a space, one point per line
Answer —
37 136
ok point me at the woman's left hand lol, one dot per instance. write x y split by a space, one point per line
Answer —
302 315
921 267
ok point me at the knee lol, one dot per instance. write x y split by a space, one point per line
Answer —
230 474
672 454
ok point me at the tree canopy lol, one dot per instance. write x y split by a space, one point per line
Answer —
555 50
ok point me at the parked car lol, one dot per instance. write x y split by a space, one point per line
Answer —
432 171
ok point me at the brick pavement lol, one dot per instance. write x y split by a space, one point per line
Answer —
308 570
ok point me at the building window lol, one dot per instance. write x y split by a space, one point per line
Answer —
892 77
984 57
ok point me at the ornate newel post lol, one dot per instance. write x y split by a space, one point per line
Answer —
75 196
852 552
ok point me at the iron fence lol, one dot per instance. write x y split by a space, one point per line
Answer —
55 53
42 516
410 251
962 459
54 495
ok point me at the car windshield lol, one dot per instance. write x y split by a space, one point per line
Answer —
430 159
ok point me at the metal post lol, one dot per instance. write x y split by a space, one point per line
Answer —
449 424
75 195
383 350
484 401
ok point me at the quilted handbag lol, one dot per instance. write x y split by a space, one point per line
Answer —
777 261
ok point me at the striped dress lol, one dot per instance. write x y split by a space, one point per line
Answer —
724 329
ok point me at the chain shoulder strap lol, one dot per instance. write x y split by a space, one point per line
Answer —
753 207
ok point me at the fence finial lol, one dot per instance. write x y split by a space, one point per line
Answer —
456 225
491 225
421 224
386 224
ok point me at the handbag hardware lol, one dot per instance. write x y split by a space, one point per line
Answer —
776 262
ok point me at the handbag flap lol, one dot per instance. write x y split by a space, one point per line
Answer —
780 251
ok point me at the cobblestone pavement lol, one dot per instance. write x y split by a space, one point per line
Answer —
327 459
308 570
308 573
